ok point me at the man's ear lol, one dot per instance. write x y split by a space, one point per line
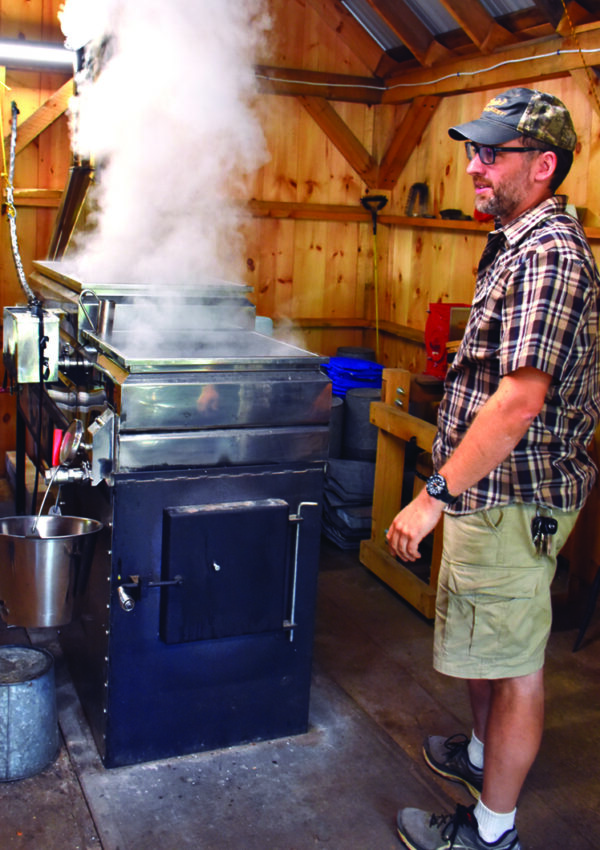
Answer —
545 166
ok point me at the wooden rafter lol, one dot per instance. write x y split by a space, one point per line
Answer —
411 31
336 16
552 10
480 26
37 197
410 131
44 115
574 15
385 174
292 82
537 60
338 132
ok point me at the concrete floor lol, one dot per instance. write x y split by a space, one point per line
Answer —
373 699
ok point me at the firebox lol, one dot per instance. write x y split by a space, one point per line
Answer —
200 445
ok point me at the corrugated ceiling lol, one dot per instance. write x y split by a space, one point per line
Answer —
374 25
431 13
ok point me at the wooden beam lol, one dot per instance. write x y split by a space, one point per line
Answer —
292 82
552 10
37 197
480 26
574 15
338 18
403 425
44 115
308 212
539 59
346 212
338 132
514 66
402 145
590 84
401 19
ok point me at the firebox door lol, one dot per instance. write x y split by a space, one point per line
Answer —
233 560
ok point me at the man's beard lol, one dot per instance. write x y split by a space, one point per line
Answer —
505 198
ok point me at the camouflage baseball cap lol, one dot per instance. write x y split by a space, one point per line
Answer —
520 112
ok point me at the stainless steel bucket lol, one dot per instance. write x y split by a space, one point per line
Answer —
42 570
28 718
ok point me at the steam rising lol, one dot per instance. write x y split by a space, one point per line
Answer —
170 126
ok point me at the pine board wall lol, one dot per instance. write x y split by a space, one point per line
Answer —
41 165
319 274
312 273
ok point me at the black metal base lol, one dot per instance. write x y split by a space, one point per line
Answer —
147 698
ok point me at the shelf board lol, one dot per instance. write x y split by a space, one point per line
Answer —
345 212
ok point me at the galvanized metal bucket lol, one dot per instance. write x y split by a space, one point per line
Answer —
44 564
29 739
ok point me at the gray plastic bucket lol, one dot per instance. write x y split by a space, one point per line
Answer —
41 572
360 436
356 351
29 739
336 426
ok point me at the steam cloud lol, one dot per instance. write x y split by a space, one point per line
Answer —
170 125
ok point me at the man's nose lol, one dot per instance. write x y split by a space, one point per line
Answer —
475 165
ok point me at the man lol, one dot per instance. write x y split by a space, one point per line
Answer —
521 404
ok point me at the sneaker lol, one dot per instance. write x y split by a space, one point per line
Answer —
420 830
449 758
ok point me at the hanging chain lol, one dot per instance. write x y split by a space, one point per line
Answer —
10 205
593 80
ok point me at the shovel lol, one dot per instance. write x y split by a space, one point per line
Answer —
374 203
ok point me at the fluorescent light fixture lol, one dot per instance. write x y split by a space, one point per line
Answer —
28 54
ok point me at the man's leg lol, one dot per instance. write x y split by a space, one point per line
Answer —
480 695
512 737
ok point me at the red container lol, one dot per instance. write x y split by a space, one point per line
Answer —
445 323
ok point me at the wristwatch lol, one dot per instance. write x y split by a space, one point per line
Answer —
437 488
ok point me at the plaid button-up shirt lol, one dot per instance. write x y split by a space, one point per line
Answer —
536 304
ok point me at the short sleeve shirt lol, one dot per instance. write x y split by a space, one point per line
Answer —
536 304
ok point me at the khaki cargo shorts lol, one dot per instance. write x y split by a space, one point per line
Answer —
493 609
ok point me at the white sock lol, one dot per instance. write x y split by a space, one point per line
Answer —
475 751
493 824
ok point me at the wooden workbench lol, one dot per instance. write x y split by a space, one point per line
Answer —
397 428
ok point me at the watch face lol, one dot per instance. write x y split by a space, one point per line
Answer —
436 485
438 489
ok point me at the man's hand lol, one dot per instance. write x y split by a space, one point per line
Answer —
492 435
412 524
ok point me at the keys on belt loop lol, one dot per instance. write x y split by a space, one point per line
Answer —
543 527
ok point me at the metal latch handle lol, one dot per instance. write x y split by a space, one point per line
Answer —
130 592
82 305
297 518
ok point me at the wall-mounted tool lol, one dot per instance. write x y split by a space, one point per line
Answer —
418 199
373 204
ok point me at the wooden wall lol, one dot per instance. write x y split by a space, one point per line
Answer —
42 165
309 243
310 270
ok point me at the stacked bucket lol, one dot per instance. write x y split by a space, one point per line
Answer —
348 495
44 562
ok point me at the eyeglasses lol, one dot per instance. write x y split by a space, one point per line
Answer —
487 153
